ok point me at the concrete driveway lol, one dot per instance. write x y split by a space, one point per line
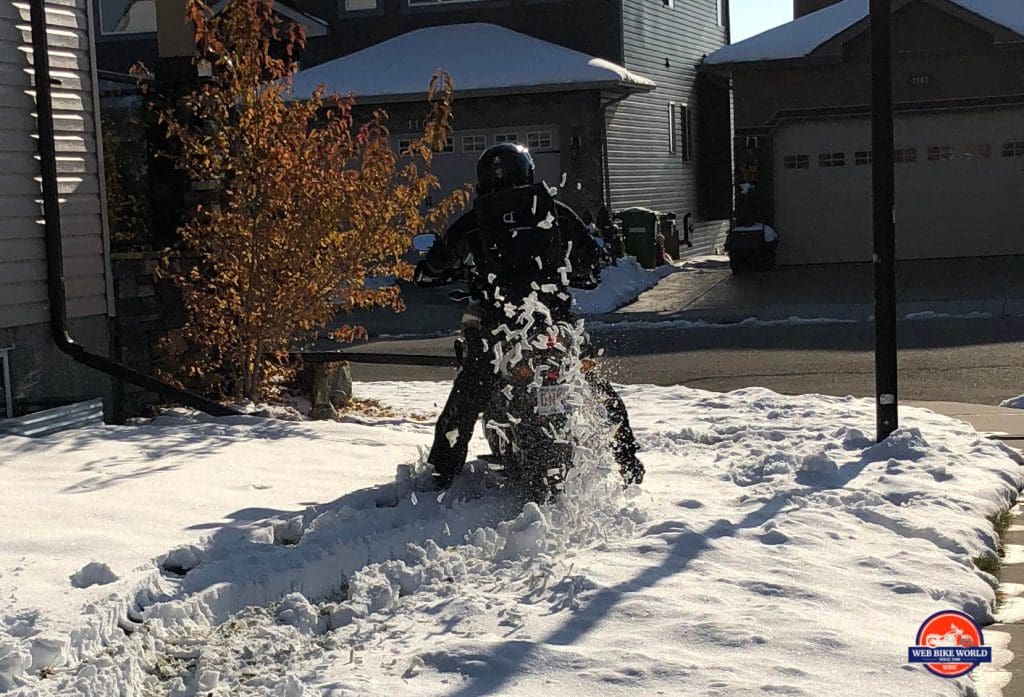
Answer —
989 286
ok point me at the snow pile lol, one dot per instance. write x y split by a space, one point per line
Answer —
675 324
93 574
769 528
620 285
1014 403
931 314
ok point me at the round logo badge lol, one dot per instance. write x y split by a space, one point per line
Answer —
950 644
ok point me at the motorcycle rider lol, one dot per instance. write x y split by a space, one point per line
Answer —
461 253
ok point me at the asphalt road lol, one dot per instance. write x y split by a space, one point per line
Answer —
978 361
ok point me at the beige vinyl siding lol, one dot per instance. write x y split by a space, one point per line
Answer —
642 171
23 290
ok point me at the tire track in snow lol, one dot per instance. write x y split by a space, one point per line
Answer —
355 561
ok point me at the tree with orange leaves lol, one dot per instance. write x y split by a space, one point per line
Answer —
307 207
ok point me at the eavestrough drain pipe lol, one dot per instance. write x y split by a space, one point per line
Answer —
54 246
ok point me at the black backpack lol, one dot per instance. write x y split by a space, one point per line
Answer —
518 234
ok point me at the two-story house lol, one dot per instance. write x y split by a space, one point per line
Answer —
802 118
604 92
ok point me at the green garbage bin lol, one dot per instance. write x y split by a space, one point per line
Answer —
640 227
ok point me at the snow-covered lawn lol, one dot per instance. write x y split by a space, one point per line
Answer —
773 550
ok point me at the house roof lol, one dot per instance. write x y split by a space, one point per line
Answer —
801 37
481 58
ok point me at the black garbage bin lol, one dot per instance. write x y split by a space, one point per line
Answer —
751 248
640 228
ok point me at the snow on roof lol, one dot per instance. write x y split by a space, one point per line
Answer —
478 57
801 37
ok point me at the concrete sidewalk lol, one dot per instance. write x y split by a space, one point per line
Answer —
1008 426
987 286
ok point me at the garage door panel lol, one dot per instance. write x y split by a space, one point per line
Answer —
457 168
823 214
964 206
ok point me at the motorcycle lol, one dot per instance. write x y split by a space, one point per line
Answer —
527 419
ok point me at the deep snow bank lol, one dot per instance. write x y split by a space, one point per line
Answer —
773 547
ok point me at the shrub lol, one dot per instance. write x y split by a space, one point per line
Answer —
306 205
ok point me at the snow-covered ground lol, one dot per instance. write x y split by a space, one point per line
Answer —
621 284
773 550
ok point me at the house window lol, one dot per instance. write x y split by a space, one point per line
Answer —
981 151
474 143
356 5
538 139
1013 148
506 137
940 152
414 3
685 139
796 162
672 127
903 155
862 157
449 145
668 3
404 144
127 17
832 159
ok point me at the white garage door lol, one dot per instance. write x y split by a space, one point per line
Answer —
959 187
457 165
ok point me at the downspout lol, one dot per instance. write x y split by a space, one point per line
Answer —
604 149
54 245
727 21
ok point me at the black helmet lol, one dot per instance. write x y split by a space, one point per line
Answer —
504 166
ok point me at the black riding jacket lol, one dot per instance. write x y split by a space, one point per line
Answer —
451 260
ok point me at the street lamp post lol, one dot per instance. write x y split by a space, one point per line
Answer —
884 199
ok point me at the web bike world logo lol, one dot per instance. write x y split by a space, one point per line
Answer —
950 645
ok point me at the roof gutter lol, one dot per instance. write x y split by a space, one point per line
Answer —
54 245
616 85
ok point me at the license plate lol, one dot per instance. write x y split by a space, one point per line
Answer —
551 399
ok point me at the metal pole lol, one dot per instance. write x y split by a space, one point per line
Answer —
884 197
